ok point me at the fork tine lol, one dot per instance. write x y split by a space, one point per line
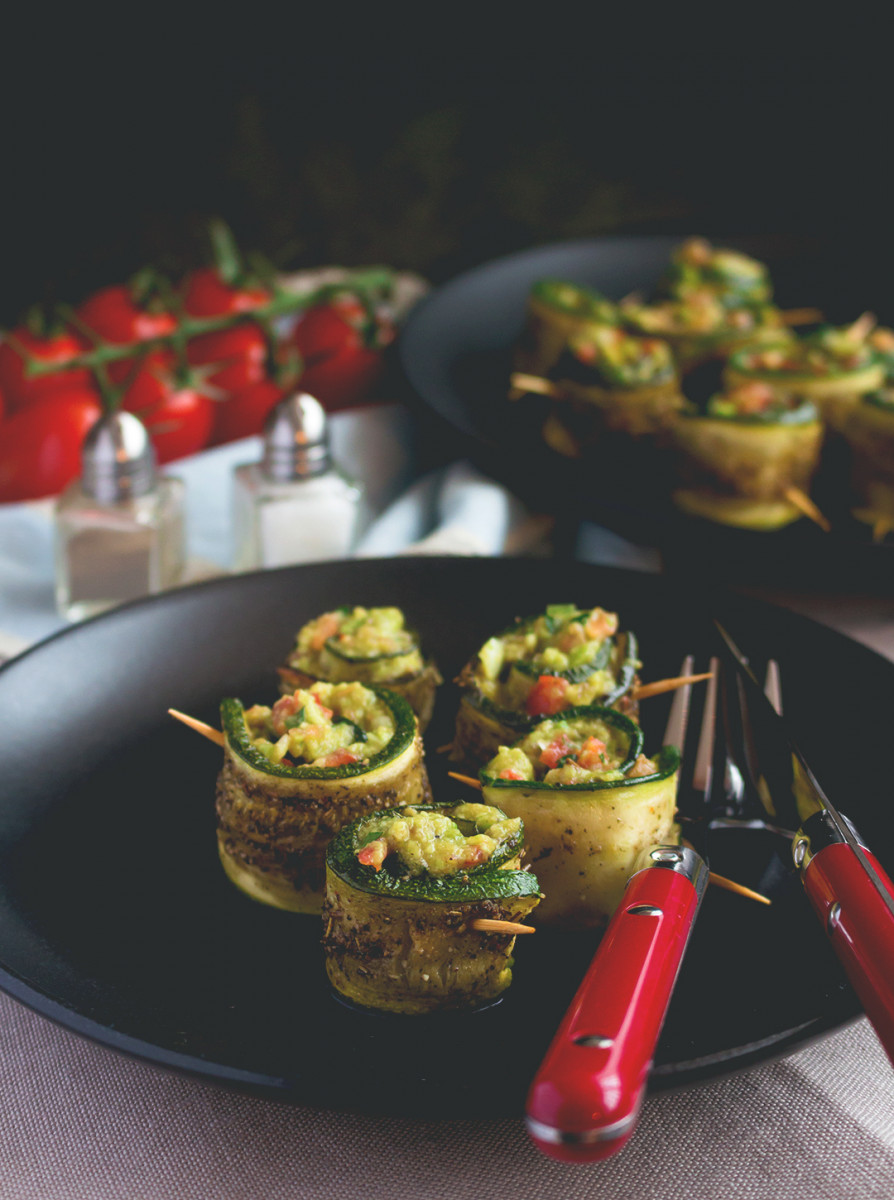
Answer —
678 720
704 756
773 685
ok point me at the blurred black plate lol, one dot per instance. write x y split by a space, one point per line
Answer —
116 919
456 351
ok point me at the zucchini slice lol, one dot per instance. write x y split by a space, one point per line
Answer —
870 433
556 311
367 645
583 837
398 938
700 327
274 821
734 467
736 278
522 673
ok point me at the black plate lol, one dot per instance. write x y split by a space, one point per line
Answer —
456 351
116 919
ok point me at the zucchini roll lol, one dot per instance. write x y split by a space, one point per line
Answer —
610 382
556 311
700 327
735 278
402 888
870 434
296 773
833 367
562 658
590 801
737 460
365 645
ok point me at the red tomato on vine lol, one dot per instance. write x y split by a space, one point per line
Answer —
56 346
40 446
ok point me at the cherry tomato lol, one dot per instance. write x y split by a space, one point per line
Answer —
114 315
207 294
178 415
239 356
40 446
342 354
245 412
20 389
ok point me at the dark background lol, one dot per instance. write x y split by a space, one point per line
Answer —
378 138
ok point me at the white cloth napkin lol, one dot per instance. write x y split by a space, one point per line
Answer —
456 510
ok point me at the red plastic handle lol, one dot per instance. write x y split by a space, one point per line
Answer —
860 927
583 1103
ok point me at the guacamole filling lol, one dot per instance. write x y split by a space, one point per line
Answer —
609 357
568 751
327 725
757 403
701 313
415 842
736 278
559 659
830 351
575 300
371 644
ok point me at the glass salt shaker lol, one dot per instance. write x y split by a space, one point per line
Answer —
119 528
294 505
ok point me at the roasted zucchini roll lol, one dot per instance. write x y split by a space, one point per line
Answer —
735 278
366 645
738 461
556 311
870 434
609 383
537 667
296 773
833 367
700 326
590 801
402 888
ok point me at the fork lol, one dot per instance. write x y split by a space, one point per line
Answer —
584 1100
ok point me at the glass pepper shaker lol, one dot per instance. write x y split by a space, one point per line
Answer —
119 528
294 505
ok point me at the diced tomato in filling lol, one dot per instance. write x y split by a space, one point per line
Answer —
511 773
326 627
591 754
339 758
547 696
374 854
285 707
552 754
601 624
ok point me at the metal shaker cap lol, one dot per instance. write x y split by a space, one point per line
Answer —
118 460
296 440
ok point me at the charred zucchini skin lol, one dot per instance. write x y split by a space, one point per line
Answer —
274 822
419 690
406 946
736 471
583 839
582 417
482 727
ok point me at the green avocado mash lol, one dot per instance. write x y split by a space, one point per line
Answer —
571 751
327 725
424 842
369 644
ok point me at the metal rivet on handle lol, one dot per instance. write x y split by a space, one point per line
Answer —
666 856
645 910
834 917
799 851
594 1039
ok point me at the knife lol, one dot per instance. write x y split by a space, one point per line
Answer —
583 1103
845 883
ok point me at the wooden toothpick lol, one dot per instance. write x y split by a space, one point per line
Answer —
488 925
803 502
522 383
465 779
207 731
667 685
731 886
